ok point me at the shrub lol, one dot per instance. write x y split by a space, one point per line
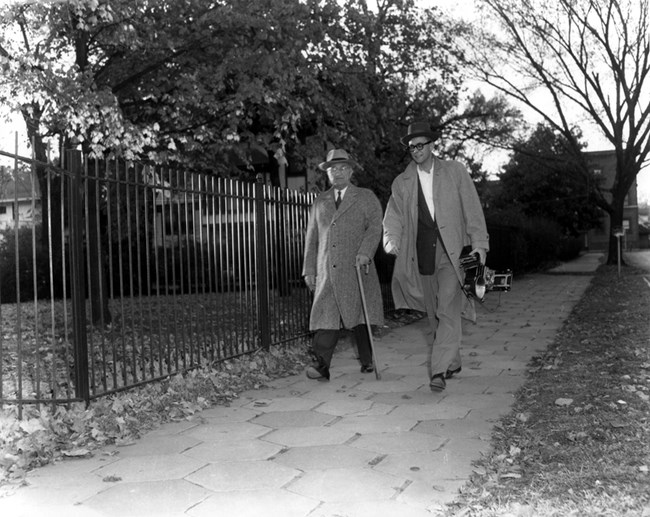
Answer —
33 273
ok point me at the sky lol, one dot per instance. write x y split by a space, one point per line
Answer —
458 8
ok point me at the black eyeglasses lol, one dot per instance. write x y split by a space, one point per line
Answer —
418 147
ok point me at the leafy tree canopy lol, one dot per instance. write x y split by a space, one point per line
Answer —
540 180
194 81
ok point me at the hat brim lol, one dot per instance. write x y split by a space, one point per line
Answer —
325 165
406 139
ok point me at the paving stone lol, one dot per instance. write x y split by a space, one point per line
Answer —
172 428
370 509
443 464
170 444
227 432
325 457
303 436
221 415
480 401
245 450
346 485
70 471
39 496
254 503
149 468
373 424
243 475
398 442
386 386
421 396
282 404
432 494
344 407
17 507
441 410
278 419
338 394
459 427
155 499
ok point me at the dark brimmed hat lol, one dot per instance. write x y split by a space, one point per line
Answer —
418 129
335 157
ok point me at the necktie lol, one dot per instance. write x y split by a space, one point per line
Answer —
338 199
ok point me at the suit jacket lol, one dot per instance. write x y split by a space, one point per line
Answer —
458 213
334 238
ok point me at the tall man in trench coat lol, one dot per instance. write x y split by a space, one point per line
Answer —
433 212
341 235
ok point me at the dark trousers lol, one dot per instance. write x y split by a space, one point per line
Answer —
325 342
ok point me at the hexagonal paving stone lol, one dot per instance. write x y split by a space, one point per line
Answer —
438 411
222 414
69 471
254 503
337 394
147 499
171 444
243 475
325 457
344 407
303 436
401 385
234 451
150 468
398 442
473 401
233 432
172 428
279 419
346 485
282 404
370 509
442 464
420 397
456 428
424 495
374 424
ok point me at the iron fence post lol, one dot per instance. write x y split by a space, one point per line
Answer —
77 276
261 274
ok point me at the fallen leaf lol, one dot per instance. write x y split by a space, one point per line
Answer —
76 453
563 402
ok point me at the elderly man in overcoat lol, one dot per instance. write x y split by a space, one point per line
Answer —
433 212
343 232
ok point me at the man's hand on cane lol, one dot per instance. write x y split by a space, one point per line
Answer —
363 261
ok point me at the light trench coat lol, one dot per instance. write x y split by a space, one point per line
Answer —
460 219
334 238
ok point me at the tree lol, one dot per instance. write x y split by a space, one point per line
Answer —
572 61
540 180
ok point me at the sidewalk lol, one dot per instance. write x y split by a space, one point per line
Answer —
351 447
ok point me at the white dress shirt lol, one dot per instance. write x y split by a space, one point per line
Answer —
426 180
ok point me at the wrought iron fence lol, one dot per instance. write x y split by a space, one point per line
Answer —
138 272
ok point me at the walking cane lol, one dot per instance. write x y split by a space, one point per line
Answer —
365 316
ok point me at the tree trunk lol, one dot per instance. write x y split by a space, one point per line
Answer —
50 194
615 226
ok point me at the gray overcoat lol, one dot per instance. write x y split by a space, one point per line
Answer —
460 219
334 238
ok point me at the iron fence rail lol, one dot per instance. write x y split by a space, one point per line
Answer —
144 272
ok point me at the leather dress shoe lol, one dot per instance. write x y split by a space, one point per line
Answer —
438 382
315 374
451 373
367 368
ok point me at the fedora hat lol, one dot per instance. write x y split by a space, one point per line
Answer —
334 157
418 129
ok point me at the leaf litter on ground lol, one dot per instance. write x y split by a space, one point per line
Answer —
577 441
